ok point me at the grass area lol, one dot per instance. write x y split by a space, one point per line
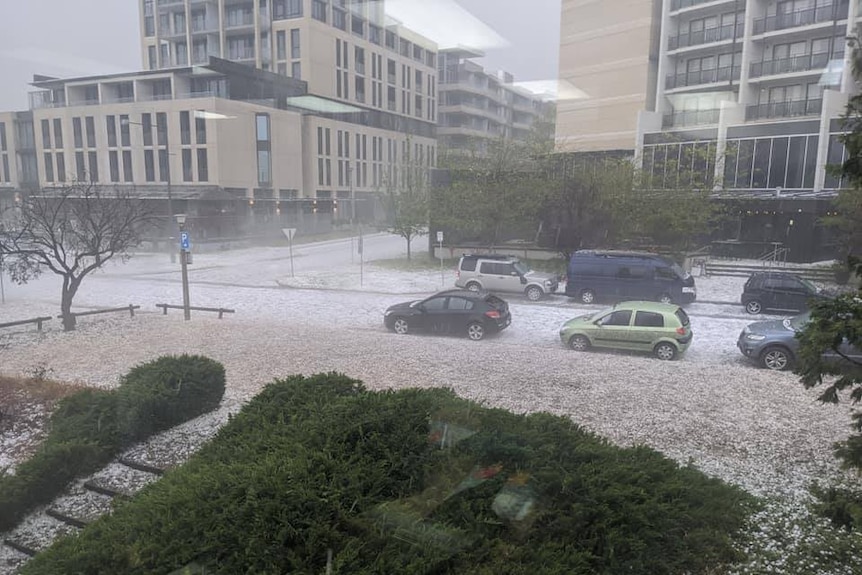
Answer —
319 475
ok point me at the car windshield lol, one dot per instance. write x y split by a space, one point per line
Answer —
681 273
812 287
797 323
522 268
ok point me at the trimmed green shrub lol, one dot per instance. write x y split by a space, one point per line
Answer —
160 394
90 427
410 482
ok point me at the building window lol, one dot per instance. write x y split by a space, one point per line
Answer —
200 128
114 165
149 166
360 89
185 129
391 68
49 167
264 169
2 136
357 26
282 68
359 57
111 124
93 160
339 19
338 89
46 134
162 128
280 45
296 70
284 9
203 168
320 178
77 133
328 172
147 129
262 127
80 167
61 167
264 164
338 52
127 166
164 166
91 132
374 34
318 10
6 168
125 136
152 64
328 148
187 165
295 47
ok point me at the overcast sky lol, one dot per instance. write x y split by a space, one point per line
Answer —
83 37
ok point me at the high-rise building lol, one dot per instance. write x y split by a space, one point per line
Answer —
608 51
477 107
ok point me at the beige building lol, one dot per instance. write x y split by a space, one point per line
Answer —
609 51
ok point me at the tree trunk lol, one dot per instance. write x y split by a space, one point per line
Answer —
408 247
70 287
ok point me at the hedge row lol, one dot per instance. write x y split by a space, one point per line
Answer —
410 482
90 428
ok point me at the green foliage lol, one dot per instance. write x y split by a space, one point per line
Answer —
162 393
843 507
90 427
413 482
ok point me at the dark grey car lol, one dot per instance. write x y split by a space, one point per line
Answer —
773 344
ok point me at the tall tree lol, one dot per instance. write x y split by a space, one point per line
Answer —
406 196
71 232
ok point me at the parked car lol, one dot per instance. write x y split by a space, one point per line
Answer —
773 344
778 291
457 312
594 275
662 329
507 274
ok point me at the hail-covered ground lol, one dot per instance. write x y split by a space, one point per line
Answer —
754 428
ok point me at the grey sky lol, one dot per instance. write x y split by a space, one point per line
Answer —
81 37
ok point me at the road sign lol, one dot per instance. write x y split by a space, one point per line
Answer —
185 241
289 233
440 237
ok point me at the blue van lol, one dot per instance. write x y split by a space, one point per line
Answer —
595 275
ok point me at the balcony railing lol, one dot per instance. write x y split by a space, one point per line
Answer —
788 109
680 4
725 74
801 63
707 36
801 18
691 118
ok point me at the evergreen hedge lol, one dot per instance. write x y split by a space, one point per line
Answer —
410 482
91 427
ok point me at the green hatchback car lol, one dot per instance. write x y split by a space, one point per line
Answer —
661 329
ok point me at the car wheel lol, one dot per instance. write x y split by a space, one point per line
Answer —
579 343
475 331
473 286
665 351
588 296
534 293
776 359
665 298
400 326
754 307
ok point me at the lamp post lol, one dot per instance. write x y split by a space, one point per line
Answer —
168 177
184 264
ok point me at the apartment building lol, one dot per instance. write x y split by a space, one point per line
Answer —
477 107
609 51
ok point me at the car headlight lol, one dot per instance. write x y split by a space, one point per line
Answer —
754 337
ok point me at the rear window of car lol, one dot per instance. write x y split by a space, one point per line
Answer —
495 302
649 319
468 264
682 316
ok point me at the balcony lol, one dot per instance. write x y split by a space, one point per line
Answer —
725 74
788 109
801 63
682 4
707 36
801 18
691 118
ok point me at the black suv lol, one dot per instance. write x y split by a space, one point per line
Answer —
458 312
778 291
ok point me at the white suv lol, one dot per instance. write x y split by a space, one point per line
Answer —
503 274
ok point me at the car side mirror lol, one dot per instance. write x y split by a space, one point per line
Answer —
421 308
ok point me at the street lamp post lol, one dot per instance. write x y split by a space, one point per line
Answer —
168 177
184 264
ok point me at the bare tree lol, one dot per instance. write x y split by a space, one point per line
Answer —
72 232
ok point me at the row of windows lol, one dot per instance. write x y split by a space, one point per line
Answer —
5 175
87 166
121 124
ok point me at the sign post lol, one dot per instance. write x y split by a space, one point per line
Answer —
185 249
361 259
440 241
289 233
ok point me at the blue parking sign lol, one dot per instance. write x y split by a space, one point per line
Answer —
185 241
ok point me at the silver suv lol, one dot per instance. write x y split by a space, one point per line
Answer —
503 274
